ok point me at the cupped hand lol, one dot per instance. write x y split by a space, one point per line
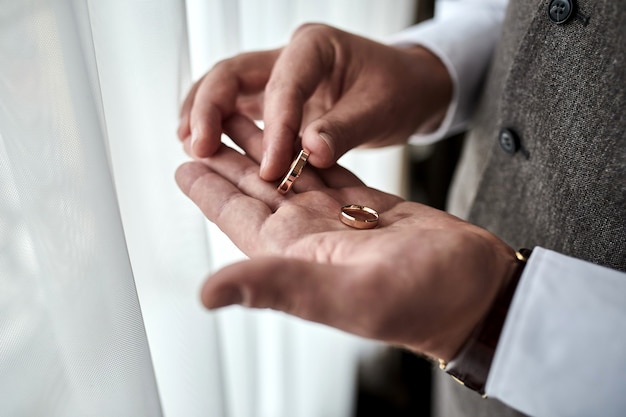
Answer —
422 279
332 89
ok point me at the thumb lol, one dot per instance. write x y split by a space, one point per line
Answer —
312 291
350 123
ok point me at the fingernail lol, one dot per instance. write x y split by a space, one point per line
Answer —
329 142
263 164
194 136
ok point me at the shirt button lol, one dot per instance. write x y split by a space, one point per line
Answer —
560 11
509 141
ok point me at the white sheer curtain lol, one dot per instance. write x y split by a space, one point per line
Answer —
72 342
89 96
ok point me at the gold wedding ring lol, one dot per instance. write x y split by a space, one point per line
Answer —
294 172
359 217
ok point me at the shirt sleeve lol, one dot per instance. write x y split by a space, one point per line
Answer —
562 351
463 35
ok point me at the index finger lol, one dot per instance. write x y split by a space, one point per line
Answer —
239 216
299 69
215 97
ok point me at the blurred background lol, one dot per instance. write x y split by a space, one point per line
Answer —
102 257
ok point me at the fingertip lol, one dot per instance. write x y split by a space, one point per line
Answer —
234 284
276 160
321 147
197 143
183 130
206 132
187 174
217 298
270 169
194 136
204 144
328 140
263 170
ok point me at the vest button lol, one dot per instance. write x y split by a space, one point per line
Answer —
509 141
560 11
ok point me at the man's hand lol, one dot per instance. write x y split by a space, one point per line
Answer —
335 90
422 279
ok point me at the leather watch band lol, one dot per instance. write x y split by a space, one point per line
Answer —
471 365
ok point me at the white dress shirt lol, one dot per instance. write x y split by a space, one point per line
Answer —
562 351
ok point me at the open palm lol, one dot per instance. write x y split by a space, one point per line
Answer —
422 278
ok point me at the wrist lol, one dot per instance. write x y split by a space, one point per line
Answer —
434 87
470 366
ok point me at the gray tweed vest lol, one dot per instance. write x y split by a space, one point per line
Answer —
561 91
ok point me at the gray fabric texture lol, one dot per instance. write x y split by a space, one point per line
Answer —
562 89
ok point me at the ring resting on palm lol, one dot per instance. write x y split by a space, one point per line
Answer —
359 217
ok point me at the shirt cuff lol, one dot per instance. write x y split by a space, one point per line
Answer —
561 351
463 37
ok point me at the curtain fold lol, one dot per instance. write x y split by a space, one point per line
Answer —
142 53
72 342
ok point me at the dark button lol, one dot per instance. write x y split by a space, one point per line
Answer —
509 141
560 11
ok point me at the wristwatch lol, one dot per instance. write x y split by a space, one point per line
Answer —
471 364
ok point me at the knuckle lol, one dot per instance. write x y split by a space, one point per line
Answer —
223 66
313 30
